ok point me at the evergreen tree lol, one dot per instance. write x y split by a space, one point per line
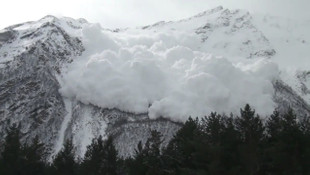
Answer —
181 154
290 144
284 144
210 154
231 163
110 163
94 158
251 133
216 144
148 159
305 142
11 157
213 127
152 149
274 125
137 164
64 162
221 144
33 158
100 158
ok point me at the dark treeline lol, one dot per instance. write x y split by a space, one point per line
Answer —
216 144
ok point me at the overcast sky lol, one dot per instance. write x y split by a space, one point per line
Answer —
130 13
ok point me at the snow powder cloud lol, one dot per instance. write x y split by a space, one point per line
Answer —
165 75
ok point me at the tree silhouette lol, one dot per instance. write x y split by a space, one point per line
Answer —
100 158
251 133
216 144
64 163
33 157
11 157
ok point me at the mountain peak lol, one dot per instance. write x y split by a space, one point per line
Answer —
49 18
210 11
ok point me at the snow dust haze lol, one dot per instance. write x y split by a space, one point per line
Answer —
165 75
131 13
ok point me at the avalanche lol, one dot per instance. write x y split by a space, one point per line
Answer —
217 60
172 73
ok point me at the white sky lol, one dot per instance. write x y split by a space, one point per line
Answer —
130 13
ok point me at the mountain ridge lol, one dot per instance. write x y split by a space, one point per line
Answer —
35 55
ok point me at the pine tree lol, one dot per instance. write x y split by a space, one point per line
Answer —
148 159
290 144
209 154
219 150
110 163
305 142
100 158
11 157
274 125
214 127
231 163
94 158
152 149
33 158
137 164
284 144
181 154
64 162
251 133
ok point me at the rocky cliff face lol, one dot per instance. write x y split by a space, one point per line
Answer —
33 54
30 61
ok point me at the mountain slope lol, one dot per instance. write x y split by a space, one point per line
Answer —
32 56
223 29
62 78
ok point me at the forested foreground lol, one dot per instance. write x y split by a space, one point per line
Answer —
216 144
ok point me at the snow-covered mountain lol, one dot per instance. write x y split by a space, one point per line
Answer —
63 78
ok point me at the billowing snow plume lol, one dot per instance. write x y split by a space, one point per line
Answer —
165 75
